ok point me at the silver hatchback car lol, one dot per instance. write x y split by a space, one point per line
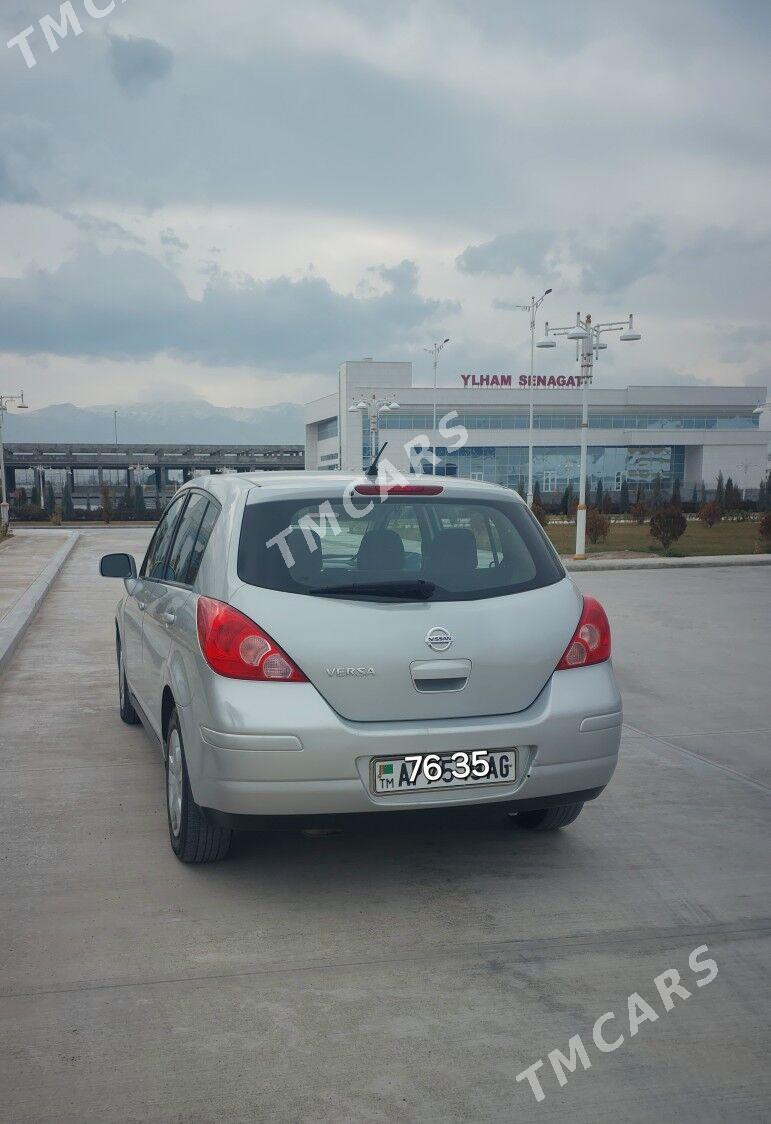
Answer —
310 645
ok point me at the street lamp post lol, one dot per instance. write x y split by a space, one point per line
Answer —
4 400
531 308
434 351
588 346
373 407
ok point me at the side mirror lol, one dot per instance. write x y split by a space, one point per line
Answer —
118 566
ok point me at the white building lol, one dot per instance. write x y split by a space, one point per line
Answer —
639 433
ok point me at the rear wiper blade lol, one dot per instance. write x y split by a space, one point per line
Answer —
417 589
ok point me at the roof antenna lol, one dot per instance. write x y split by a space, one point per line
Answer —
372 470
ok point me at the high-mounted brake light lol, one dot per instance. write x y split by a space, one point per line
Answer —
235 647
591 640
398 489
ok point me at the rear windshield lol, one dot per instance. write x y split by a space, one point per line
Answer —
466 549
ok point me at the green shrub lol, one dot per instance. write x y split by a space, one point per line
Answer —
667 525
710 513
540 513
597 525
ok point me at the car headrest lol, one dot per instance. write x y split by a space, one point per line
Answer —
380 549
453 551
307 563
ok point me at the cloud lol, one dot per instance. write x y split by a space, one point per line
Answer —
24 157
506 306
126 304
171 239
402 277
348 132
101 228
630 253
525 250
738 344
137 63
607 265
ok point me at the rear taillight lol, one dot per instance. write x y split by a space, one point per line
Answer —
234 646
591 640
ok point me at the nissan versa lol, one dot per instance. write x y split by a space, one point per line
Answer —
306 645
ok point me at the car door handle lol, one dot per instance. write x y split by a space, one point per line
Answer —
141 605
169 616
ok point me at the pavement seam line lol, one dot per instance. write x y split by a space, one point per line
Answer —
670 936
733 773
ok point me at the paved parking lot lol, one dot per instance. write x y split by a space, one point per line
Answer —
380 976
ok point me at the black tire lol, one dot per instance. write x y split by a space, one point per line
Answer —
548 819
127 712
193 838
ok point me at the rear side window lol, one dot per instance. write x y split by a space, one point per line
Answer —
154 564
185 539
202 538
466 548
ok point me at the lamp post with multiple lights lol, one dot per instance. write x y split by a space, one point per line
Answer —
373 407
532 308
434 351
21 405
588 346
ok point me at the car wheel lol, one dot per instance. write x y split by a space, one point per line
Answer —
547 819
193 838
127 712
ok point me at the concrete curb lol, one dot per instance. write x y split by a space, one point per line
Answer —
16 622
668 563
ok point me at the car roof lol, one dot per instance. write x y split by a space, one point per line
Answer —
227 486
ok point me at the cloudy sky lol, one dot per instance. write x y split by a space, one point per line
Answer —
228 199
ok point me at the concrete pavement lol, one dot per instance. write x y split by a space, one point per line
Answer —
30 562
23 556
379 975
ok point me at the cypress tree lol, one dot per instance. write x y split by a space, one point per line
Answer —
763 496
656 499
68 507
536 493
676 501
623 499
598 496
720 490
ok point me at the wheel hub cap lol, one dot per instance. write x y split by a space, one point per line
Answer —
174 782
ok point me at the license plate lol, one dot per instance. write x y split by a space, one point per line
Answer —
432 771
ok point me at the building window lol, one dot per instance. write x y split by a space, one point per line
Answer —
326 429
549 481
421 422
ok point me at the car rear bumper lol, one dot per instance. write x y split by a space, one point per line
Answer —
303 759
437 816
